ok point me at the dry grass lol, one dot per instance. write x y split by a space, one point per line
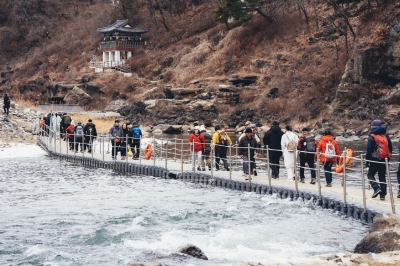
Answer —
102 124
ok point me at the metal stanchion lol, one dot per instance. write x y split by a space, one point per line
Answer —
74 145
175 149
344 179
193 158
67 142
319 177
91 145
103 137
83 146
230 164
363 184
212 163
154 149
269 172
248 164
389 183
126 144
115 150
138 153
166 155
296 180
182 158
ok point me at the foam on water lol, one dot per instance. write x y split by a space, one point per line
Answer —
58 213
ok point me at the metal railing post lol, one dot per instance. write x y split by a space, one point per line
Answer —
344 180
83 146
103 137
166 155
389 183
182 157
296 180
67 142
269 172
363 185
230 165
248 164
175 149
115 149
193 158
154 149
126 148
212 164
319 179
74 145
90 146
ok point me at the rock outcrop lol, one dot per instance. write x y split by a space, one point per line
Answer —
77 96
193 251
114 106
384 235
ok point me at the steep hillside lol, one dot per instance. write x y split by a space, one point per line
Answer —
311 62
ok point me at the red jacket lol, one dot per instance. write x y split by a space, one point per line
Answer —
199 142
322 146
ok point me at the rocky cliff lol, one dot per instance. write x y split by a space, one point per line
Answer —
309 63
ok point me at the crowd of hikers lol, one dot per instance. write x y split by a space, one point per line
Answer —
276 143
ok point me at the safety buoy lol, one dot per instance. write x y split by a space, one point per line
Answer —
340 166
148 151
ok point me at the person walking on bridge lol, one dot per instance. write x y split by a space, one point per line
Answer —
197 145
307 147
90 134
329 153
379 148
220 141
115 134
289 149
272 139
245 142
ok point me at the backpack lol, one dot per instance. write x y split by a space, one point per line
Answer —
67 120
222 138
382 147
136 133
329 150
89 130
79 131
291 146
309 144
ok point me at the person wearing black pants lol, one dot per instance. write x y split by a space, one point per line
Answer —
272 139
115 133
124 141
307 154
376 158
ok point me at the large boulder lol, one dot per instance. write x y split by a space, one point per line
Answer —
228 94
169 129
77 96
384 235
393 96
193 251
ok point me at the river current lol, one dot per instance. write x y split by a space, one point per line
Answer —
57 213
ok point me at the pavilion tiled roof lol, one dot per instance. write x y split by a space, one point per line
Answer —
122 26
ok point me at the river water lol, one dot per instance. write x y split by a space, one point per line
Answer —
56 213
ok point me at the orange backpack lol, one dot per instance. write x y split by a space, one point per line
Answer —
382 147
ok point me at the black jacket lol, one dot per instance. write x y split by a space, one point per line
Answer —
243 146
88 132
7 102
273 139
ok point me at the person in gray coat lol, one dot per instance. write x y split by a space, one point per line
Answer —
116 134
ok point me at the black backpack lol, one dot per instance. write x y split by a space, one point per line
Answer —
309 144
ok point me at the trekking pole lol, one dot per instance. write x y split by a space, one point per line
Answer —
166 155
296 180
344 180
390 186
249 165
363 185
319 179
269 172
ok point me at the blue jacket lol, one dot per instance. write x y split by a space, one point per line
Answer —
371 146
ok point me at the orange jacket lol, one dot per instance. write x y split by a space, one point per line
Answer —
70 131
322 146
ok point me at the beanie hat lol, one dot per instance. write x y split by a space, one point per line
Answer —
275 123
248 130
305 129
376 123
90 120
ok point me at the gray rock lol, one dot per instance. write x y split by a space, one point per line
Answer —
384 235
193 251
169 129
77 96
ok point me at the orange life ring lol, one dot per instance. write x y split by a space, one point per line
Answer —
148 151
340 166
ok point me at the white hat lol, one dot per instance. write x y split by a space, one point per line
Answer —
197 127
202 128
